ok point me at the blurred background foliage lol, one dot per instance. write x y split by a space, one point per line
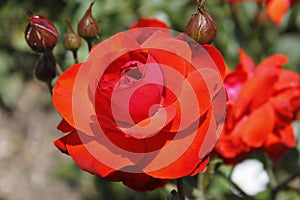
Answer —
238 27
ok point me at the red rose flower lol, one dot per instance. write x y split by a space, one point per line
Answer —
276 9
142 112
147 22
263 101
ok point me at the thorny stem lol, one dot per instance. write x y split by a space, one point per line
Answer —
179 183
90 43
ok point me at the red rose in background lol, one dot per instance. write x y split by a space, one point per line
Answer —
276 9
146 22
128 108
263 101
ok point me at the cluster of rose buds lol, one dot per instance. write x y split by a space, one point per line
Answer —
41 36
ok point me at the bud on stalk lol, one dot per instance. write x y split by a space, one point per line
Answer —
201 27
40 34
45 69
72 41
88 28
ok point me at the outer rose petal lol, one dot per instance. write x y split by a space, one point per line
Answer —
274 61
61 144
277 9
201 166
246 63
217 58
258 126
231 148
138 181
235 80
286 104
233 83
255 91
63 93
81 155
65 127
180 168
287 80
279 143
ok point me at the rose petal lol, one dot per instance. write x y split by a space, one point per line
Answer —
201 166
83 158
189 153
256 129
280 143
194 96
152 125
147 22
277 9
256 91
65 127
287 80
138 181
217 58
246 63
63 93
61 144
274 61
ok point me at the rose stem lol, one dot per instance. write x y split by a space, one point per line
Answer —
89 43
179 183
75 56
58 69
49 87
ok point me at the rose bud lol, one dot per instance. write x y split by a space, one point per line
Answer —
88 27
45 69
40 34
201 27
72 41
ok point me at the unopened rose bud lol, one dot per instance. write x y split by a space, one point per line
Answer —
201 27
45 69
72 41
40 34
87 26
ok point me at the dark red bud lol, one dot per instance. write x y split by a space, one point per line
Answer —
45 69
40 34
201 27
72 41
88 28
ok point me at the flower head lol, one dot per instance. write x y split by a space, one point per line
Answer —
263 101
127 108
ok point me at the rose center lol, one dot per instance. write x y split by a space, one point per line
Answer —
131 72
